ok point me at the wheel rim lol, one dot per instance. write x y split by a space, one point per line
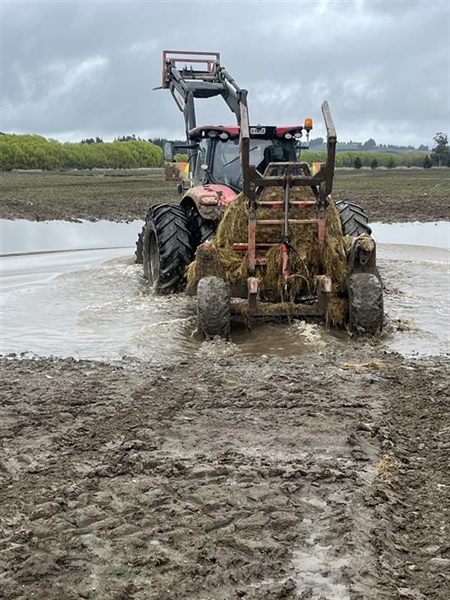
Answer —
153 260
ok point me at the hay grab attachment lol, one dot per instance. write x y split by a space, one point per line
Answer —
286 175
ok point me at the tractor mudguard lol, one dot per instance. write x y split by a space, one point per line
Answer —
210 199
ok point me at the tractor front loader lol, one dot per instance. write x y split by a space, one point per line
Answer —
257 235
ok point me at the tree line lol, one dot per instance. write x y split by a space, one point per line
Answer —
366 156
38 152
358 159
128 152
319 143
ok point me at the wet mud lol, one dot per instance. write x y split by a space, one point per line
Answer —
228 477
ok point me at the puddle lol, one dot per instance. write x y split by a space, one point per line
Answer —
435 234
71 289
414 260
21 237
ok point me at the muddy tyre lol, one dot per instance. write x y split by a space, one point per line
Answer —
140 247
201 229
213 308
365 299
353 219
167 248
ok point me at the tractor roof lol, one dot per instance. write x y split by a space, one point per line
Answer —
258 131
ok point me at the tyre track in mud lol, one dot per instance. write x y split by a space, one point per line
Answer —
226 478
412 496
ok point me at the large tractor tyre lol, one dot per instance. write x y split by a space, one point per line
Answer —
167 248
365 300
353 219
140 247
213 308
201 229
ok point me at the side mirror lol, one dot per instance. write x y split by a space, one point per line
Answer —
168 151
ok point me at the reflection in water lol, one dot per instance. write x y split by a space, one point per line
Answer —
95 304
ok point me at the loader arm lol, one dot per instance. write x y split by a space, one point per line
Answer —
200 76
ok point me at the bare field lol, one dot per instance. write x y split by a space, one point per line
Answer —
111 195
397 195
386 195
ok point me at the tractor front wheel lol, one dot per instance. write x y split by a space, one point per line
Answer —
213 308
201 229
365 299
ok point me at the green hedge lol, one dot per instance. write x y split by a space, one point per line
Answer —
384 159
37 152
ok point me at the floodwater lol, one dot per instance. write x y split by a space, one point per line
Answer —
72 289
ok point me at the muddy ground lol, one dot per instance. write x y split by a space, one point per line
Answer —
389 195
324 476
310 477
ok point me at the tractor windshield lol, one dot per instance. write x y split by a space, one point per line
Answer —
226 164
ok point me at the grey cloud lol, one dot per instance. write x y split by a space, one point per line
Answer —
88 68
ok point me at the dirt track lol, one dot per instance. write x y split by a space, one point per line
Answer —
235 478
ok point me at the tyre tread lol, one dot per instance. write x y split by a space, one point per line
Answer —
170 224
213 308
353 219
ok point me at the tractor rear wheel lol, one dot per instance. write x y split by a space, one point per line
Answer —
353 219
167 248
365 300
140 247
213 308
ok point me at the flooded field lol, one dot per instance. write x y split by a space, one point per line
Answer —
290 463
72 289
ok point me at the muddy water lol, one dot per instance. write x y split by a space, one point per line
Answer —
414 259
72 289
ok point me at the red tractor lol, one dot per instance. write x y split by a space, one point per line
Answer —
224 161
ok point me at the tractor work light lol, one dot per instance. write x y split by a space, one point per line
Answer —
224 136
288 136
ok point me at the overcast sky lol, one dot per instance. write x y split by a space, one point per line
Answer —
75 69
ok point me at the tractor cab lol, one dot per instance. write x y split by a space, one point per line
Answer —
216 159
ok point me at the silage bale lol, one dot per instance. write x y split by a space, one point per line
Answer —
305 259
